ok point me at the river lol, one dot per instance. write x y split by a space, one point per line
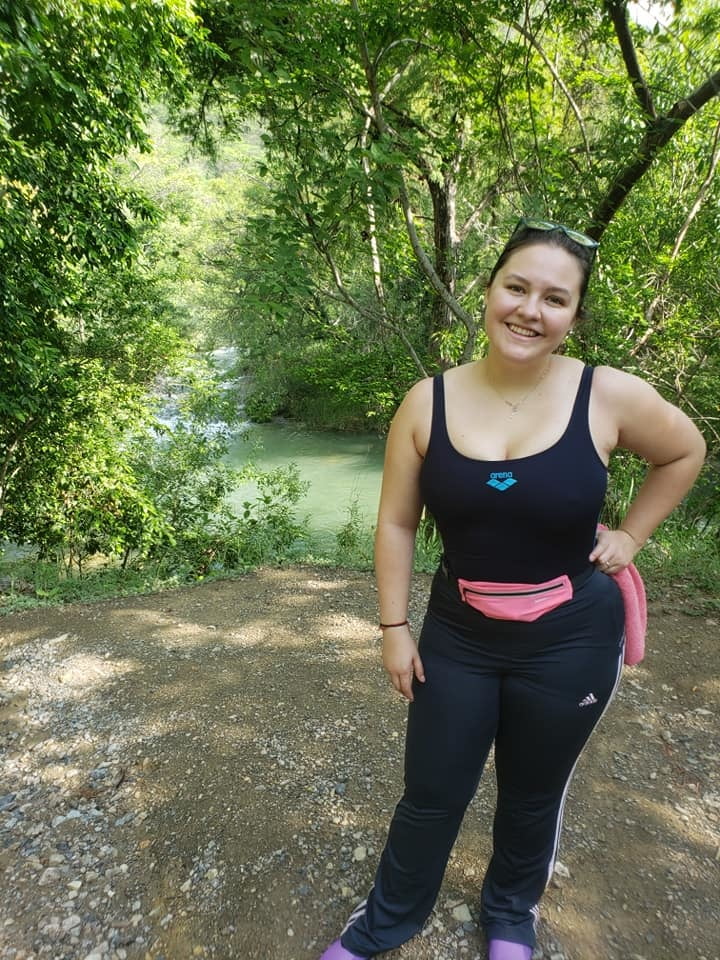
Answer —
341 468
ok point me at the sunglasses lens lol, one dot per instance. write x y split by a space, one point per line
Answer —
575 235
539 224
580 238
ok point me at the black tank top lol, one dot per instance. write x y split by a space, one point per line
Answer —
516 521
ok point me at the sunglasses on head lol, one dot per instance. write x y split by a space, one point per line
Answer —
580 238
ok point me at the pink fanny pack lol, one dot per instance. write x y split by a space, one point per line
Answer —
515 601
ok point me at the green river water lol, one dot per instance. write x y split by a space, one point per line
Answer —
340 467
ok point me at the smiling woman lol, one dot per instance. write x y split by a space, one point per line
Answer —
523 641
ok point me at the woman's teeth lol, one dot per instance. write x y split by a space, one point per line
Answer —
522 331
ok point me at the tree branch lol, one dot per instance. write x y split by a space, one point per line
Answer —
382 321
372 222
657 135
652 328
561 83
344 296
422 257
618 14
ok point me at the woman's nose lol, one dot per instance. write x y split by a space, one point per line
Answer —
529 307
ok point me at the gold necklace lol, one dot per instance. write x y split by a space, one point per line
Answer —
515 406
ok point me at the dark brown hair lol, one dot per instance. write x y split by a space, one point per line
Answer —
525 236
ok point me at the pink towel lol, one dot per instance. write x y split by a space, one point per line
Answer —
632 589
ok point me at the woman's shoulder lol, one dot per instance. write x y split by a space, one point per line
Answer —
619 386
419 395
416 405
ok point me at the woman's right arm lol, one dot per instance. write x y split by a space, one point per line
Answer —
398 518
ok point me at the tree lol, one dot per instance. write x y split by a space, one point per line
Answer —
75 80
403 138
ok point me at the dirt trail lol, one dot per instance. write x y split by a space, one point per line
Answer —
210 773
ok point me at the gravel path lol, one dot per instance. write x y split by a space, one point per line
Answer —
210 773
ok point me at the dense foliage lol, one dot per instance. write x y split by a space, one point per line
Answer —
388 147
95 304
401 142
81 325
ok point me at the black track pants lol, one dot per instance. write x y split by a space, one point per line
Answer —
536 690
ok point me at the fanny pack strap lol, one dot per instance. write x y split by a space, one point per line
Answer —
577 581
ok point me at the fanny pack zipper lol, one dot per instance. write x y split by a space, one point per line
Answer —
512 593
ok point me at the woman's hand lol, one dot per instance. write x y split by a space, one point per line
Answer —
402 660
613 551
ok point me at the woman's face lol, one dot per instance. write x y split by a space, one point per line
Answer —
533 301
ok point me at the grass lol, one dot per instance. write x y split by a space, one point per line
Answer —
684 558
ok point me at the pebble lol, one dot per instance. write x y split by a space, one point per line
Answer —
462 913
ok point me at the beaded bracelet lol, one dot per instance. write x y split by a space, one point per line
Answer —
388 626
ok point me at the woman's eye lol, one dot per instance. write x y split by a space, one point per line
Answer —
515 287
557 301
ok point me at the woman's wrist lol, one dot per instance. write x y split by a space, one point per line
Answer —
634 539
392 626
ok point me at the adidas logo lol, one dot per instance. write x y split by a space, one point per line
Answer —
501 481
588 701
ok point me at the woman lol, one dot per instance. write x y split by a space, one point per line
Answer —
522 643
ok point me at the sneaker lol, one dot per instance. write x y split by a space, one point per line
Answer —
507 950
336 951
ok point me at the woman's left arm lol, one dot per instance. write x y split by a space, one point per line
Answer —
646 424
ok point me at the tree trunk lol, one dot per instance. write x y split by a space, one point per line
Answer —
445 245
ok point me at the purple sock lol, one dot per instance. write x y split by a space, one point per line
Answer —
336 951
506 950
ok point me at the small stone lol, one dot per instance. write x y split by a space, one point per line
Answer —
291 932
561 870
186 886
462 913
49 875
359 854
71 923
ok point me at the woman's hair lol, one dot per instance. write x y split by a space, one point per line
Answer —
554 235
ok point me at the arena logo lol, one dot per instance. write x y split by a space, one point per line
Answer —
502 481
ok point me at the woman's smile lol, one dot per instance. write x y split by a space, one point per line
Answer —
522 331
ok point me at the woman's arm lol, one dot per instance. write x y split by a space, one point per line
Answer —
662 434
398 518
